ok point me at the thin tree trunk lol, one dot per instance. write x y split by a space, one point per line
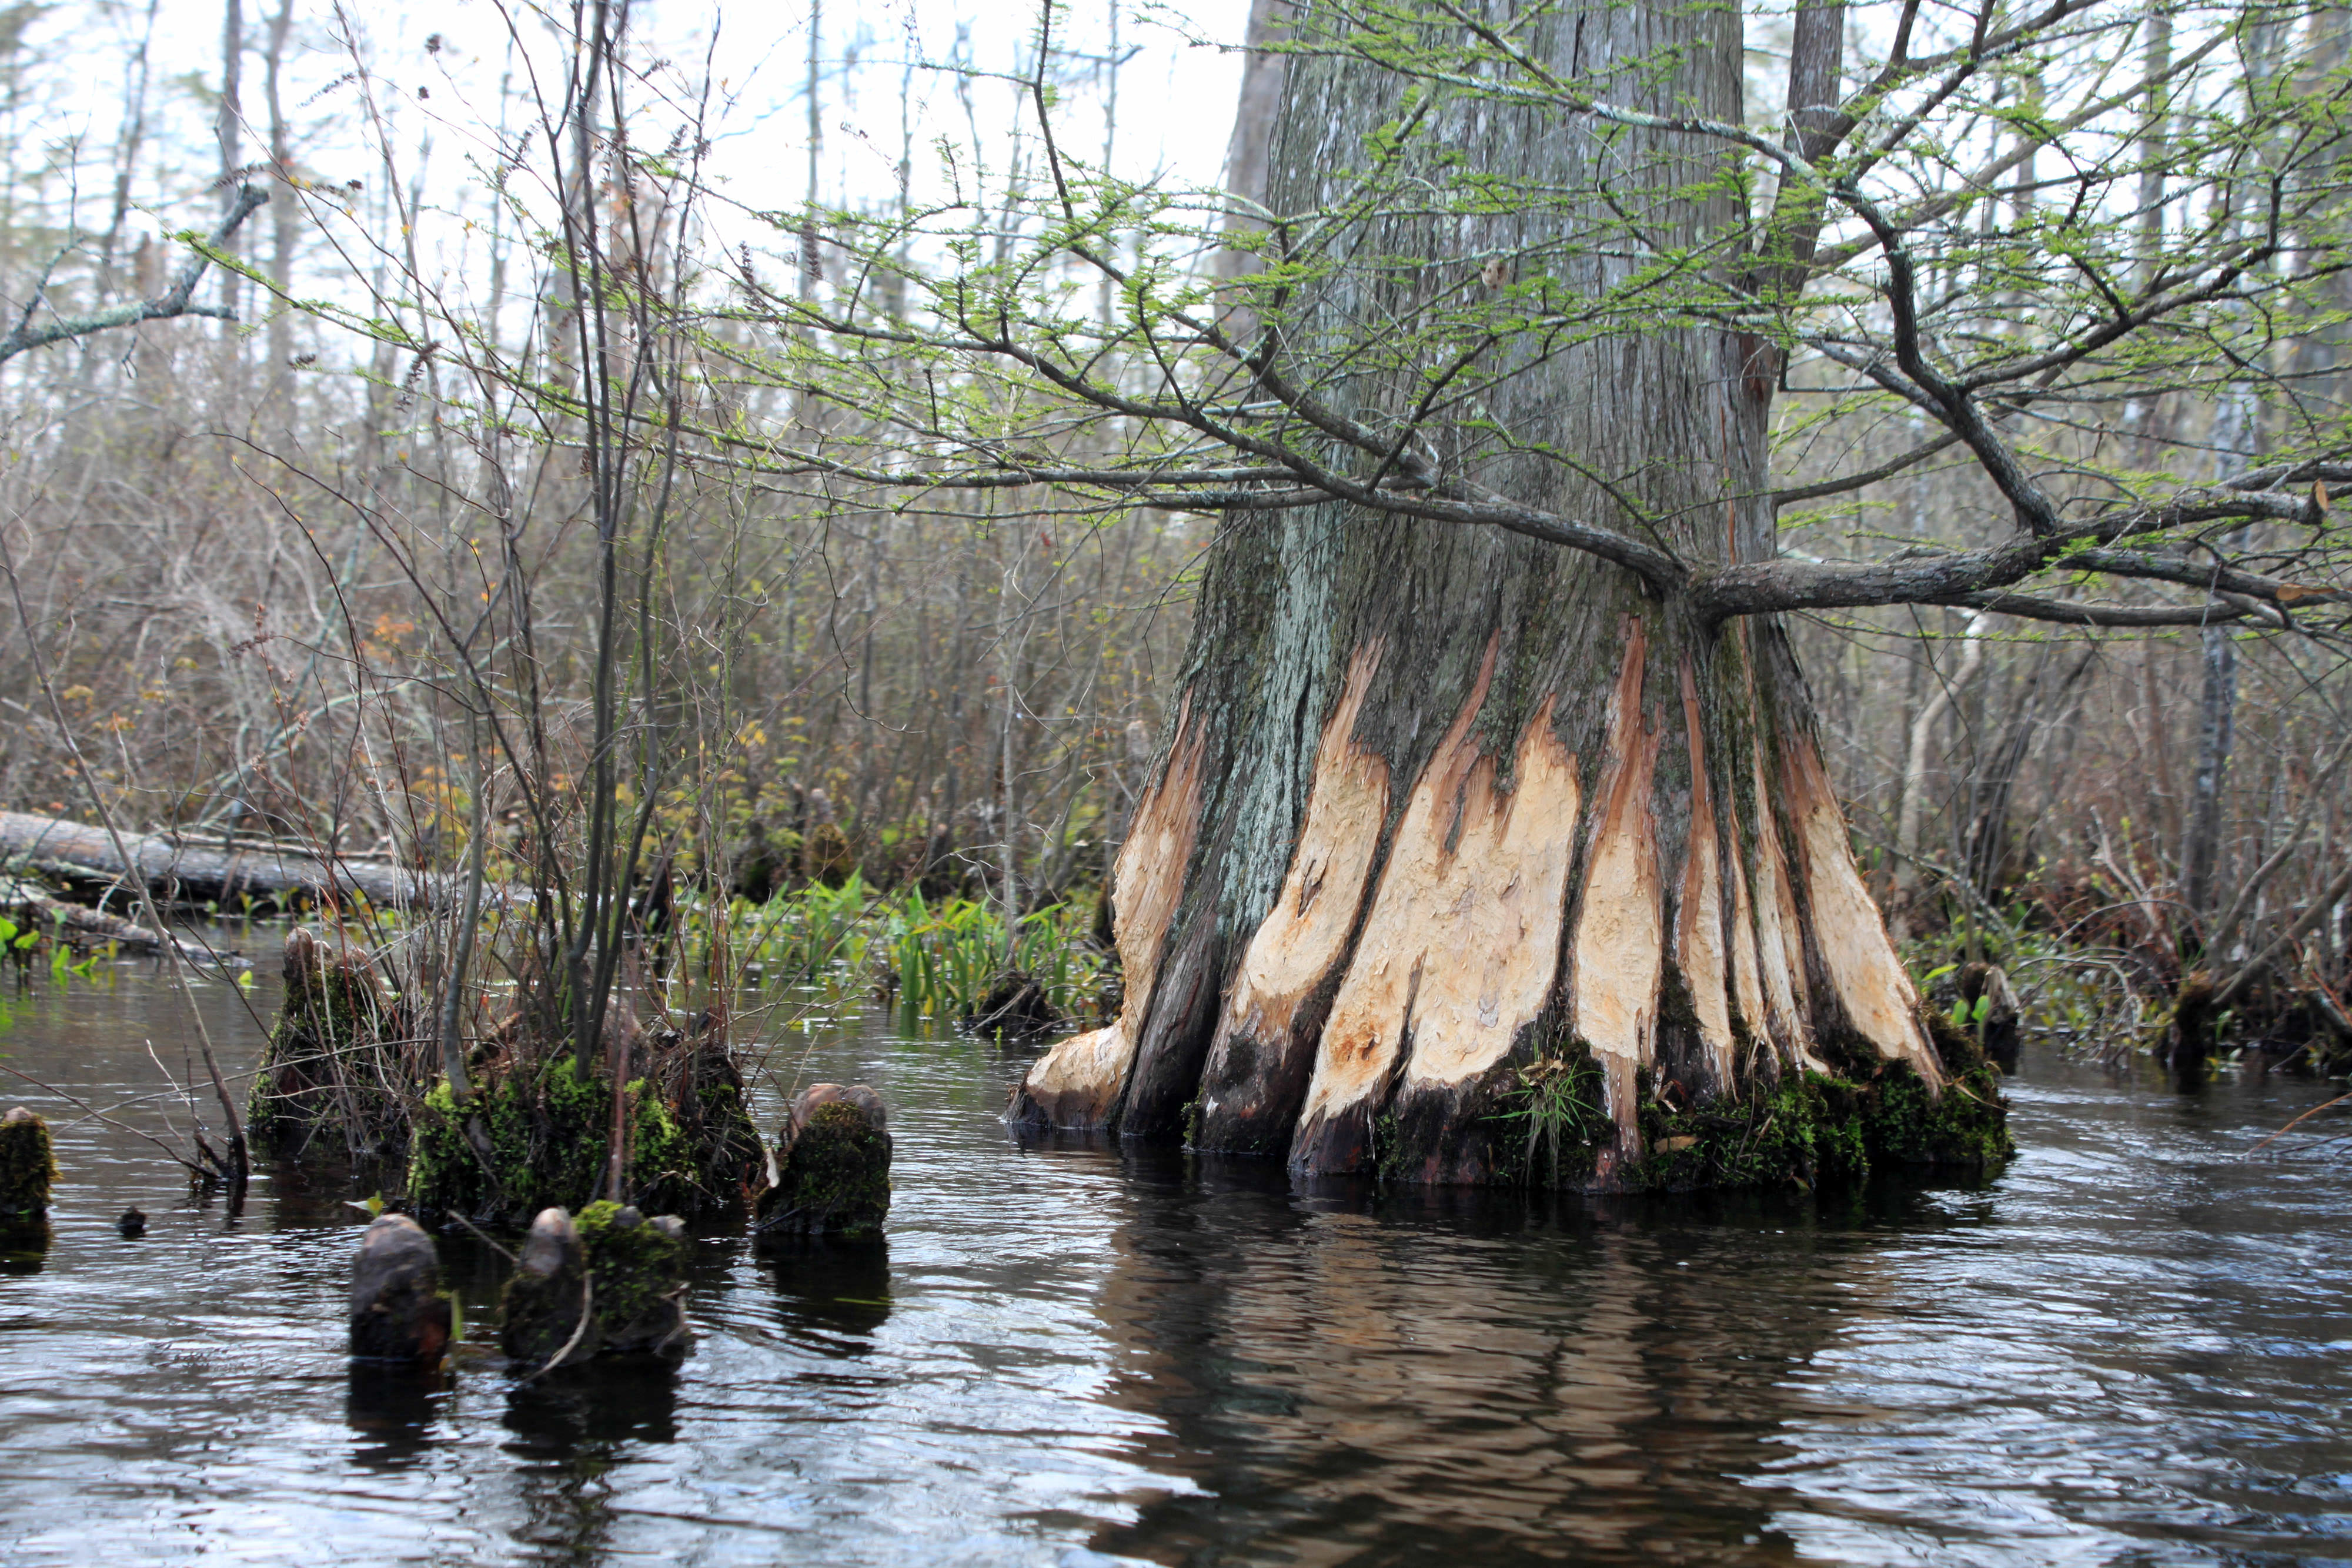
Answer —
2201 852
1912 810
228 130
283 213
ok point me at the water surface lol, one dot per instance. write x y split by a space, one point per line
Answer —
2131 1348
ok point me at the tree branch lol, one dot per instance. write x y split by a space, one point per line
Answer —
174 301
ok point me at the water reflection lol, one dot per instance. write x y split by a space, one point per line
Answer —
26 1249
836 1296
1360 1377
2128 1349
392 1411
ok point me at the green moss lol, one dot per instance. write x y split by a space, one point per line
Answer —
1965 1128
638 1270
1816 1130
835 1179
636 1282
549 1136
27 1168
1811 1129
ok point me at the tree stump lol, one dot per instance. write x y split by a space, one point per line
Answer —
611 1282
1997 1021
28 1167
833 1169
398 1310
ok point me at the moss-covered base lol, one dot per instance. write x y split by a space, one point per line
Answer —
628 1271
27 1168
535 1140
1808 1130
832 1180
1815 1129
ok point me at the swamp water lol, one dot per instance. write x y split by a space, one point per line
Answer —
2130 1348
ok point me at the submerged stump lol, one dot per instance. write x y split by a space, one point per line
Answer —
833 1168
611 1282
399 1312
27 1168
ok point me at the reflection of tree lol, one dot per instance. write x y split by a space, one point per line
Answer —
1363 1381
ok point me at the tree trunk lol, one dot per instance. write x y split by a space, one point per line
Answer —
1438 804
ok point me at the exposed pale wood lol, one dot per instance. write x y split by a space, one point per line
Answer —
1460 950
1780 947
1619 951
1302 939
1698 926
1861 961
1077 1083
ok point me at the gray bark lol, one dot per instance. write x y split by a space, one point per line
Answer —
197 871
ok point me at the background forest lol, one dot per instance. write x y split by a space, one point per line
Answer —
287 551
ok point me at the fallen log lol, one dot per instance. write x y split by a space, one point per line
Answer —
32 908
194 873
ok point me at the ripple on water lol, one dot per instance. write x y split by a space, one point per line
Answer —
2129 1349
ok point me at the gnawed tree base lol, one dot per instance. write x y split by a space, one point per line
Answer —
1607 935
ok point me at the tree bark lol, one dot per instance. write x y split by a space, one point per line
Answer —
1440 802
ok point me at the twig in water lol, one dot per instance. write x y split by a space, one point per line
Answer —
587 1299
488 1240
2290 1126
177 1157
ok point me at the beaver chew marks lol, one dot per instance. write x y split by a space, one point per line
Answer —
1619 953
1077 1083
1461 942
1265 1045
1869 979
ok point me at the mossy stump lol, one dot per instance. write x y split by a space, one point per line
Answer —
333 1063
832 1170
27 1168
1016 1007
611 1282
539 1137
399 1312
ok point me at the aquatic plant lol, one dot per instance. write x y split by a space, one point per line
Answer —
1558 1100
